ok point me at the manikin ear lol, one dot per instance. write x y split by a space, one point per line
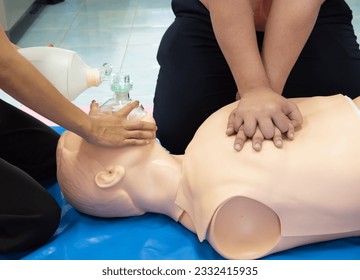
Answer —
110 176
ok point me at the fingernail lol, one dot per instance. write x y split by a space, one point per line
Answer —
279 143
237 147
291 135
257 146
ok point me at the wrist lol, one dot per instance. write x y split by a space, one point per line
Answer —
254 81
83 127
256 90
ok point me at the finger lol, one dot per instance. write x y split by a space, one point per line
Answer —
257 140
291 132
126 110
240 140
230 125
238 123
136 142
266 127
139 134
278 139
140 125
250 125
281 121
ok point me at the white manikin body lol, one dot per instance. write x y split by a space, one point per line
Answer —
246 204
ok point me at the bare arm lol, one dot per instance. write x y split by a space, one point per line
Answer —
21 80
287 29
234 28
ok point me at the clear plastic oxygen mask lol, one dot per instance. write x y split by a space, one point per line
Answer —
121 86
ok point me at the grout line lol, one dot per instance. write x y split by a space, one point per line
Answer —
128 39
70 25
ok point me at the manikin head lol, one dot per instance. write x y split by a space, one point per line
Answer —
89 176
107 182
117 182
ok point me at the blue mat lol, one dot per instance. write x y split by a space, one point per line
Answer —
153 237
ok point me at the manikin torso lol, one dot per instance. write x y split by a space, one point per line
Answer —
312 184
246 204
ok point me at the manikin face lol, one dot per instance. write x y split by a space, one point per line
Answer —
101 181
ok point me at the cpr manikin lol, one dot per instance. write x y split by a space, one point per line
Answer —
246 204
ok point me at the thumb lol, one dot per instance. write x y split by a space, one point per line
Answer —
293 113
94 108
126 110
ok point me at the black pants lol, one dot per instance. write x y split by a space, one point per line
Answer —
29 215
194 79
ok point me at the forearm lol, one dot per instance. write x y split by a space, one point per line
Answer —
26 84
287 29
233 24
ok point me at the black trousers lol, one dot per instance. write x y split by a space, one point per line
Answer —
29 215
194 79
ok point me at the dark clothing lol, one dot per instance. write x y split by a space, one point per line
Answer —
29 215
194 79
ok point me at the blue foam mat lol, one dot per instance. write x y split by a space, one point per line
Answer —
153 237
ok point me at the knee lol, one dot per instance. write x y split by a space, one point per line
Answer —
27 231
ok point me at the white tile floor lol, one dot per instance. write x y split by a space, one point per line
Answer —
125 33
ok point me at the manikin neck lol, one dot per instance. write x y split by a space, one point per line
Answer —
162 172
